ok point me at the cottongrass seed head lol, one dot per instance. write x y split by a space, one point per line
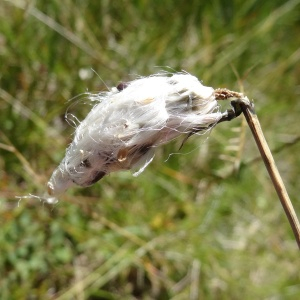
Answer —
128 122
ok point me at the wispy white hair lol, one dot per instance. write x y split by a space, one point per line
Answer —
128 122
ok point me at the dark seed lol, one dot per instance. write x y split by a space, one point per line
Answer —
144 149
98 176
85 163
122 86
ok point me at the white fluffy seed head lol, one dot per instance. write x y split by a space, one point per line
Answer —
127 123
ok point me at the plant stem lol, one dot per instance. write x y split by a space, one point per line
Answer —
267 157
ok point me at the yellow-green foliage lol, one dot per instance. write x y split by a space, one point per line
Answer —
205 224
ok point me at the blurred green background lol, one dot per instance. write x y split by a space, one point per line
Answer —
204 224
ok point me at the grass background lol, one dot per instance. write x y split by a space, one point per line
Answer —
205 224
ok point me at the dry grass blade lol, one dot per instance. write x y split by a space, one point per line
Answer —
26 165
51 23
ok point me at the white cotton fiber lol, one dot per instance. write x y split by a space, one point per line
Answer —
127 123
